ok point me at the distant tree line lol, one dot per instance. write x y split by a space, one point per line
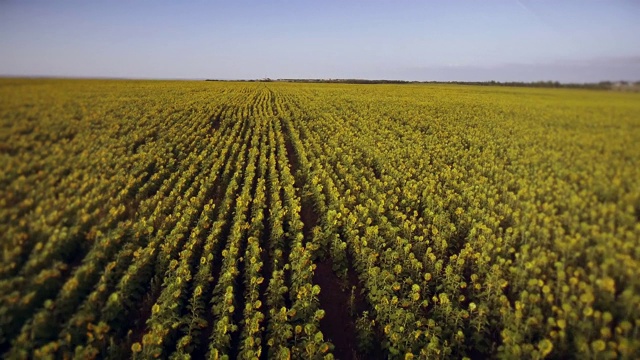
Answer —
602 85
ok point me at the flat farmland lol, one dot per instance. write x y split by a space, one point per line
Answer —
255 220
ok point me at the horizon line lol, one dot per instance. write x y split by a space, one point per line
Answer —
267 79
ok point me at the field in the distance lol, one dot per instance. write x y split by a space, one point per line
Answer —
270 220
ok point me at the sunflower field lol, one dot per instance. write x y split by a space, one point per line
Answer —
249 220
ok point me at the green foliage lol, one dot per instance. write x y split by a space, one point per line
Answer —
186 219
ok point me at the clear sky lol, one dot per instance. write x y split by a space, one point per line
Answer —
506 40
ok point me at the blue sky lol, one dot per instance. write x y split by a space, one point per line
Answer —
507 40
